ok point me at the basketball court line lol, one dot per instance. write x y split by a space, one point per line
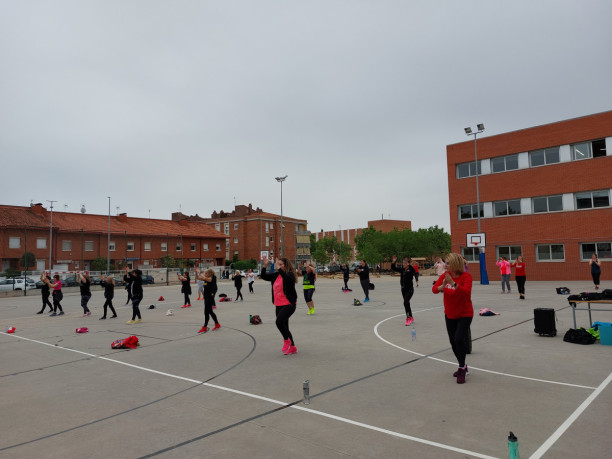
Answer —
266 399
430 356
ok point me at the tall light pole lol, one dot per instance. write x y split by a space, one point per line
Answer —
281 180
484 279
51 234
108 241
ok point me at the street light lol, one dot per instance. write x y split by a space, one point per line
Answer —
51 234
484 279
281 180
108 241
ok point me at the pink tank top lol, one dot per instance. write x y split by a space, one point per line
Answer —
279 296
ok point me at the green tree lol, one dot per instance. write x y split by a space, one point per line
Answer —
28 260
168 262
370 245
99 264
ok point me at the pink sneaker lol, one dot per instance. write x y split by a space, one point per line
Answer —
461 372
456 373
411 319
286 345
291 350
407 321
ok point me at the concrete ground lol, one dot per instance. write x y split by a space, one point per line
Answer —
232 394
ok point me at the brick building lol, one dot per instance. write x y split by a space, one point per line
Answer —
250 231
348 235
80 238
545 194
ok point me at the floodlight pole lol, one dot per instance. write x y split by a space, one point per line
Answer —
281 180
51 234
108 240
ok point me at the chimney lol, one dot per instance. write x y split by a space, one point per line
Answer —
38 209
122 218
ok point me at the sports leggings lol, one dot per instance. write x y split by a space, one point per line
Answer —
208 310
187 300
238 294
135 308
282 320
251 287
505 281
46 302
520 283
109 303
84 300
365 285
57 298
346 283
457 334
595 277
407 294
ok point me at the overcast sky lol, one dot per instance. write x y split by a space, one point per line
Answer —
195 105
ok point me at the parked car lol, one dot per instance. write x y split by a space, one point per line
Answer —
70 281
322 269
146 279
335 268
15 284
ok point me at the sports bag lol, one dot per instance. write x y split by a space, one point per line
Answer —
579 336
255 320
131 342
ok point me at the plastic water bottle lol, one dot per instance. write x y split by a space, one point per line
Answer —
513 447
413 333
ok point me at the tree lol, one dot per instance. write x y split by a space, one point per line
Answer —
167 261
328 248
100 263
28 260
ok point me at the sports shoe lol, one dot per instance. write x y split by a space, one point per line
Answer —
456 373
461 375
138 320
131 322
84 315
184 306
217 327
39 312
52 314
291 350
308 313
114 317
409 320
88 313
189 305
286 345
199 298
312 311
203 330
61 313
366 300
102 318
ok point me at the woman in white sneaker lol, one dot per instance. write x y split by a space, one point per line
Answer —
456 285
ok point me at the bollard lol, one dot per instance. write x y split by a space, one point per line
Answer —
306 392
513 447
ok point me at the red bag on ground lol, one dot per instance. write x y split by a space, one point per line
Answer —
131 342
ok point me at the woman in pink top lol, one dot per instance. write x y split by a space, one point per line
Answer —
284 297
57 294
505 270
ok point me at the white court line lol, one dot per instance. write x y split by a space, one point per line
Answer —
569 421
276 402
471 367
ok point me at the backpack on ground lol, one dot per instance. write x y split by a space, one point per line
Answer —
356 302
578 336
563 291
544 321
255 320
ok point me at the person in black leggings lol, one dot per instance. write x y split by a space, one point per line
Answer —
345 273
364 279
57 295
237 278
46 293
85 286
135 281
186 288
109 294
407 272
210 289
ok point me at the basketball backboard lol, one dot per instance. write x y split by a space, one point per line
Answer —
476 240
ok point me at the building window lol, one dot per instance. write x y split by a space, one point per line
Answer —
164 246
547 204
41 243
586 150
470 253
550 252
267 227
504 163
267 241
111 246
226 228
235 240
271 239
592 199
193 247
235 252
469 211
218 226
89 246
205 247
130 246
601 249
502 208
147 246
468 169
543 157
218 247
271 226
509 251
66 246
14 242
235 226
179 247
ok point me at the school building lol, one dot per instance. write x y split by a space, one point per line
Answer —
250 231
77 239
544 193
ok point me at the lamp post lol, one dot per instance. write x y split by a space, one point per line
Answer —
281 180
108 241
51 234
484 279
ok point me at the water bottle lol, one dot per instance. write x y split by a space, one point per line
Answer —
513 447
413 333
